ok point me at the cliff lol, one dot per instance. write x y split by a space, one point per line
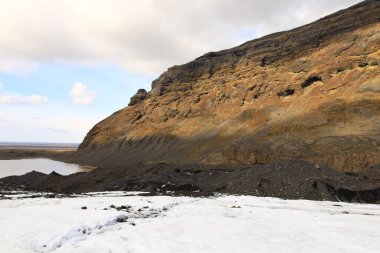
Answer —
310 93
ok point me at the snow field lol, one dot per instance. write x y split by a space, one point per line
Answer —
185 224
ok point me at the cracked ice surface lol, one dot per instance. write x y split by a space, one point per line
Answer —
120 222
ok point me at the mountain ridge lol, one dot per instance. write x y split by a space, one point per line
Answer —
309 93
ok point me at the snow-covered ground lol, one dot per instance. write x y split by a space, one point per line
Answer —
116 222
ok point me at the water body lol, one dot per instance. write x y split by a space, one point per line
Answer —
22 166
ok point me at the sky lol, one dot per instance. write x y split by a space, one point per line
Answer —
67 64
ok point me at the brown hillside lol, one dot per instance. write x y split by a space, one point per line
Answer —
311 93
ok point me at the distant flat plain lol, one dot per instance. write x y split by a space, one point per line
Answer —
38 146
23 150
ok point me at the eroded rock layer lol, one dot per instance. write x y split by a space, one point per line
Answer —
311 93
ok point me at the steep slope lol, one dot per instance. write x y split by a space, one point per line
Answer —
311 93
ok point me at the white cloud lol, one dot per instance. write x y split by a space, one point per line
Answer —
80 94
17 66
37 100
15 98
145 36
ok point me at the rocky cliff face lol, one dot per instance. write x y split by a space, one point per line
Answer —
311 93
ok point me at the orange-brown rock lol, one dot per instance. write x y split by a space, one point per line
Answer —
311 93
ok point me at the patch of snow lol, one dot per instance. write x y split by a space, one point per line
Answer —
126 222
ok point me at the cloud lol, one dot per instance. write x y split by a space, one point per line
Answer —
15 98
36 100
17 66
81 95
145 36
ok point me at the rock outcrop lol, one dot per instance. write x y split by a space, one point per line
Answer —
310 93
140 95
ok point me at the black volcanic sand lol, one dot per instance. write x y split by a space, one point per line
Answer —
288 179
